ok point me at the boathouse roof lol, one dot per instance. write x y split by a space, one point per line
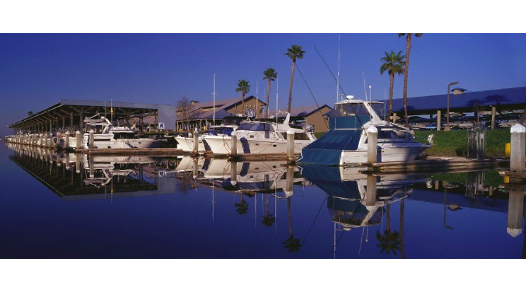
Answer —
512 98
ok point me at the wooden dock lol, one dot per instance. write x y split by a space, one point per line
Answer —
439 164
134 151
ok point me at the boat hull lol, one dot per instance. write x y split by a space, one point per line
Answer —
389 153
187 144
222 145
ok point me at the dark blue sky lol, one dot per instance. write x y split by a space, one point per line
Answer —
37 70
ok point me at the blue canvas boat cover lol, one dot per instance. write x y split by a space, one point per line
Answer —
344 134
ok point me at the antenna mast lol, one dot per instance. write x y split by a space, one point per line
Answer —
338 75
214 114
277 98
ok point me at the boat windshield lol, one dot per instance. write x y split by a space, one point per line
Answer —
350 109
353 109
255 127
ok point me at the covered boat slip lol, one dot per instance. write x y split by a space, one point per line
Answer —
70 115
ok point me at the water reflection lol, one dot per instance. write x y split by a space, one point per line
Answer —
355 207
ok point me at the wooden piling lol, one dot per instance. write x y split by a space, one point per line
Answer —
439 118
493 112
233 144
196 142
289 185
291 158
372 148
91 138
78 143
370 196
517 155
515 210
67 139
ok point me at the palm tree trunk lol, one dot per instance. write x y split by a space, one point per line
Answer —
388 227
406 74
266 203
290 88
290 218
242 102
268 94
391 86
402 249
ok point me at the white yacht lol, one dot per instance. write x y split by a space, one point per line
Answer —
225 129
346 141
107 135
260 137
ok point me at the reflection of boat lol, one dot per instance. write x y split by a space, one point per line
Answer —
346 141
260 137
349 192
106 135
261 176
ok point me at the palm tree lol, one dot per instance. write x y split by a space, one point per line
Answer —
393 64
269 219
406 71
291 244
294 52
388 241
243 87
242 207
269 74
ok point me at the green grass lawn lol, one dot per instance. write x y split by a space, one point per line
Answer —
455 142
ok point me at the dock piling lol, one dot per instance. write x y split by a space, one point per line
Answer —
67 134
517 155
515 210
91 138
196 142
291 158
233 144
77 137
439 118
372 148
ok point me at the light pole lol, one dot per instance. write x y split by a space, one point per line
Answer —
447 128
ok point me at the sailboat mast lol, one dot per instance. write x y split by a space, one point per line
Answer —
214 114
338 77
277 98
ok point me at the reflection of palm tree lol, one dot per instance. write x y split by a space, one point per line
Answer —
269 219
241 207
389 241
402 247
291 244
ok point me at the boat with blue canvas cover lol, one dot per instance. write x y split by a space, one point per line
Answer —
346 141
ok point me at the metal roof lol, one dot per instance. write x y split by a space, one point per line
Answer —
66 107
466 102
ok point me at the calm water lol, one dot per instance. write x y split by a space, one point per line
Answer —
59 206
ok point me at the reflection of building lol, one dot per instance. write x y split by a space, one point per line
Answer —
78 177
